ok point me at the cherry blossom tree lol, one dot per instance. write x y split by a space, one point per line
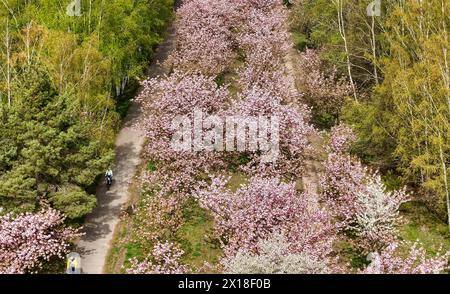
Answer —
264 38
204 36
341 138
341 182
209 32
293 132
27 240
275 256
178 94
320 88
265 41
357 198
377 214
165 99
416 262
277 83
163 260
263 207
266 87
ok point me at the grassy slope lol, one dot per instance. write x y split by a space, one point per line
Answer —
420 224
196 237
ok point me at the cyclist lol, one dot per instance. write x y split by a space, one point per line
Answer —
109 177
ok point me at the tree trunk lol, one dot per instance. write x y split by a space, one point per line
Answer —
447 196
374 51
340 7
8 64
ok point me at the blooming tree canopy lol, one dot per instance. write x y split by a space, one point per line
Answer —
26 241
275 257
165 261
263 207
417 262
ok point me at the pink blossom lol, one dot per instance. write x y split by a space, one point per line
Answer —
342 137
417 262
204 36
320 88
343 179
27 240
163 100
263 207
163 260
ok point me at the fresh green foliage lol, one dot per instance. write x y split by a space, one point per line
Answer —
65 82
399 63
422 224
51 153
300 40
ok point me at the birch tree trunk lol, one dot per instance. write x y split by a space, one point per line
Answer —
374 50
341 25
447 196
8 64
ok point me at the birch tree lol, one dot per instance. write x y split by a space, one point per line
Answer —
342 31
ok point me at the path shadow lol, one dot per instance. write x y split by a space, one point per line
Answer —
158 67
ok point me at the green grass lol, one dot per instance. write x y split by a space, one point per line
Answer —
241 55
118 244
133 250
348 255
237 179
221 79
196 237
237 161
420 224
300 40
151 166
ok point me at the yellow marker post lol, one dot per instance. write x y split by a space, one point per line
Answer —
73 266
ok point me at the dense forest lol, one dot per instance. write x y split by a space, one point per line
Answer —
63 87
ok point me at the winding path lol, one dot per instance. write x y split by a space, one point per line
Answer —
100 224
